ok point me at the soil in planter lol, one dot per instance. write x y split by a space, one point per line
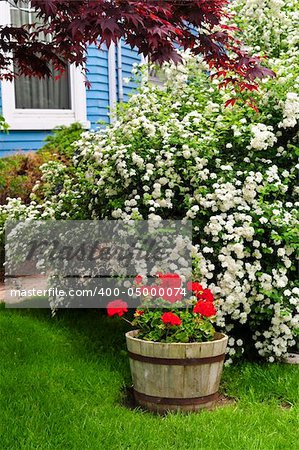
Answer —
129 402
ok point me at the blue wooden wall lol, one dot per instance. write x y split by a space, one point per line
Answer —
129 57
97 99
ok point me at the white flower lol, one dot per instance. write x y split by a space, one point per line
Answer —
290 111
263 137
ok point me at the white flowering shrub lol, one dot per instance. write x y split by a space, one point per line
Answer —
268 25
175 152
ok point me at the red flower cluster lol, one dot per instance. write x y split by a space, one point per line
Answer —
117 308
205 305
171 283
171 319
194 287
206 309
200 292
206 295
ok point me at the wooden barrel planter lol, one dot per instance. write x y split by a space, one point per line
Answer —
176 376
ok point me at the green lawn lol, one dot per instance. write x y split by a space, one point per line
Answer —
61 387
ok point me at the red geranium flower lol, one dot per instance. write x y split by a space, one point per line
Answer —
138 279
170 279
206 309
117 308
170 318
171 284
194 287
206 295
138 313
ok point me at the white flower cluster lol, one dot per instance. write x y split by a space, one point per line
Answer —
269 25
290 110
263 137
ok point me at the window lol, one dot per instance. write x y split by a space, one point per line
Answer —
156 74
34 93
32 103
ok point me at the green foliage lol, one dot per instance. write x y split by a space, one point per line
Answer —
193 328
3 125
19 173
62 139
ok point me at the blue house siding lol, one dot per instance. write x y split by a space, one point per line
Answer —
128 58
21 140
97 99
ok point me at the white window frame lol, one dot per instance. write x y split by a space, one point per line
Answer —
43 119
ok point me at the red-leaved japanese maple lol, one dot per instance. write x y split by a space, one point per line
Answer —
157 28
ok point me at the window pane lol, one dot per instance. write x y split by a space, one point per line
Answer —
19 17
35 93
48 93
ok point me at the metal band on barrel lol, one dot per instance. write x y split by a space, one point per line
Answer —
177 361
175 401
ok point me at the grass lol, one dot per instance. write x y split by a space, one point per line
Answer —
61 387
